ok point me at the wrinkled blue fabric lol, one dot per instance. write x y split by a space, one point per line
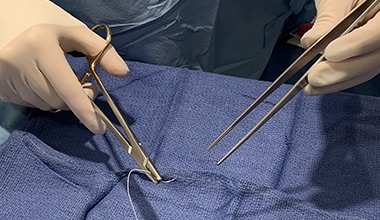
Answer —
234 38
316 159
227 37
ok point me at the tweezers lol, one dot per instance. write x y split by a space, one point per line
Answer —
130 143
347 24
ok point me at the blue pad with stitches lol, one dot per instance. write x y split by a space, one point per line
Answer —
316 159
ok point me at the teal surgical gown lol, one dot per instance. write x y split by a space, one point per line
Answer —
221 36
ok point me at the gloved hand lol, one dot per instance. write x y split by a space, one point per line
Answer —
351 59
33 69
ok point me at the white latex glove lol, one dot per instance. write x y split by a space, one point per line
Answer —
351 59
33 69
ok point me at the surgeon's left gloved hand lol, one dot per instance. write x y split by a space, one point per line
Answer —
351 59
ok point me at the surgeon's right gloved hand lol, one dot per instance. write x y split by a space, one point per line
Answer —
351 59
33 69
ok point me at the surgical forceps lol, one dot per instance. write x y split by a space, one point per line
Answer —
131 143
346 25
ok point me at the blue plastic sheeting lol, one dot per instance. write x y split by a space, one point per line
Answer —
4 134
228 37
316 159
11 116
